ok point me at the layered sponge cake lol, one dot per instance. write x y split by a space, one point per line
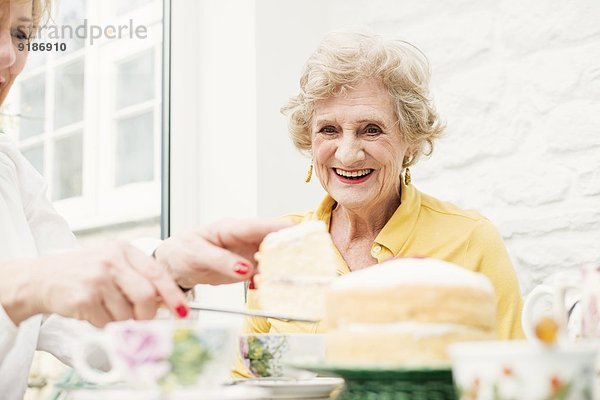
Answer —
406 311
296 266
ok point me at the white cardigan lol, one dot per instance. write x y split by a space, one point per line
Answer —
29 227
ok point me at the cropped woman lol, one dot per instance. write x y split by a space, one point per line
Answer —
364 116
115 282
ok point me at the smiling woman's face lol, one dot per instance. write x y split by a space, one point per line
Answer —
358 147
15 28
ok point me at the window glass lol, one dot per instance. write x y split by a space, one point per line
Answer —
36 61
135 82
68 162
72 20
129 5
135 150
32 106
35 155
68 97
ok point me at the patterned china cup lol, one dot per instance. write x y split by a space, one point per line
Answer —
162 354
267 355
511 370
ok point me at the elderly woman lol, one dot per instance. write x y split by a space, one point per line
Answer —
365 117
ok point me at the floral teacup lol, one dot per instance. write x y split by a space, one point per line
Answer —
511 370
268 355
165 354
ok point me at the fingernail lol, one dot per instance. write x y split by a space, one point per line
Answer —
181 310
241 268
251 284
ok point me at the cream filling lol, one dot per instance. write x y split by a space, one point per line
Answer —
409 327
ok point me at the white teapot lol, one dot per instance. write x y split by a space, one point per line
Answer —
576 319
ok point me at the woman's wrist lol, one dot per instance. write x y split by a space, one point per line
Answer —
183 286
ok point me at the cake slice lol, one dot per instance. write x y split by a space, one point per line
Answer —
295 267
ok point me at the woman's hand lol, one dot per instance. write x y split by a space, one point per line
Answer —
117 282
221 253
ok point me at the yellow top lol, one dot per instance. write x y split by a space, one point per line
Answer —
426 227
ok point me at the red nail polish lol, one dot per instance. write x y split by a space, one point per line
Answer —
251 284
241 268
181 310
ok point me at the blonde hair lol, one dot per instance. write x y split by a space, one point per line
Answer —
343 60
40 10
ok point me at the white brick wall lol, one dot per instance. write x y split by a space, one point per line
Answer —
518 83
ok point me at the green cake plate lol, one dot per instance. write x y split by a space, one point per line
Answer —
388 383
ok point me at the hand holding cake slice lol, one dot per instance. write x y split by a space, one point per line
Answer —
295 267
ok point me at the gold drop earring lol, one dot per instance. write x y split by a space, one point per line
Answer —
405 163
309 173
407 178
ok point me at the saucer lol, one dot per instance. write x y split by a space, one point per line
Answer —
221 393
314 388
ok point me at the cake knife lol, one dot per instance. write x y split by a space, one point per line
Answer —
251 313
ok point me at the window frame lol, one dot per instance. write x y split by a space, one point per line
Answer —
165 137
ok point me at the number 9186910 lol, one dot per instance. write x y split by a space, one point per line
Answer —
42 46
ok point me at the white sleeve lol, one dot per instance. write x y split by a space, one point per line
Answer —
8 334
59 334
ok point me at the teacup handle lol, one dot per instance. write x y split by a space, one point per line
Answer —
88 372
557 295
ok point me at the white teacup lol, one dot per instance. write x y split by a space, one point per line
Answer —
269 355
586 287
160 353
522 370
